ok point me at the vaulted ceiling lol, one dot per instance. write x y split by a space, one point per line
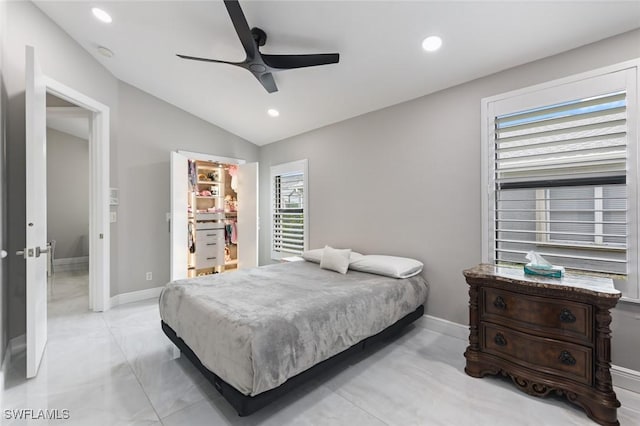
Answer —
381 59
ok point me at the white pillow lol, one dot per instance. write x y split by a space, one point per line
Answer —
389 266
335 259
315 255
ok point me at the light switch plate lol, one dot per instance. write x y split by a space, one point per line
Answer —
113 217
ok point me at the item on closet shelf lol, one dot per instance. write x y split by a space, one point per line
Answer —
213 176
193 177
230 204
205 193
233 172
234 232
227 232
214 190
227 254
192 239
202 177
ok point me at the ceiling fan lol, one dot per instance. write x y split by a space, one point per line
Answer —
263 65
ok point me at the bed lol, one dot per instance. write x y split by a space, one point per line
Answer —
258 332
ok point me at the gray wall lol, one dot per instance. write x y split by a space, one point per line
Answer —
4 283
68 194
406 181
148 129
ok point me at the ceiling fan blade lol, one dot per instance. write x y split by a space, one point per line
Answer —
195 58
268 82
242 27
300 61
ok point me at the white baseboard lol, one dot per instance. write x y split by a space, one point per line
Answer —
444 326
626 378
135 296
622 377
71 264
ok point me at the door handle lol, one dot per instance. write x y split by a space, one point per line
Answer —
40 250
25 253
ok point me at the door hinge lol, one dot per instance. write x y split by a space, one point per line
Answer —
102 236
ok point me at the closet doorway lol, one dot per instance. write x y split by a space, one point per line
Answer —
214 214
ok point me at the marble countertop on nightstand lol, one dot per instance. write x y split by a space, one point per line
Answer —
600 286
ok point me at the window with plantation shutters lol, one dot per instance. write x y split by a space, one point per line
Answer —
560 173
288 209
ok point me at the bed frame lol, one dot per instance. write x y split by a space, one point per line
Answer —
246 405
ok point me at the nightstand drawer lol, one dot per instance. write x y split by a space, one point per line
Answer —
537 353
550 317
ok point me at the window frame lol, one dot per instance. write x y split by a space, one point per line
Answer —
280 170
548 93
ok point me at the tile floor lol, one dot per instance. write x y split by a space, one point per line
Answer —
117 368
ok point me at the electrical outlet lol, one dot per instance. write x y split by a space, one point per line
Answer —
149 276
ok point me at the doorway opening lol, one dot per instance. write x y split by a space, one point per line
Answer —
68 177
96 242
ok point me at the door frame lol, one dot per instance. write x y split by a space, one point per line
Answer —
99 225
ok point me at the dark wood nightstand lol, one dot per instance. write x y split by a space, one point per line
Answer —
546 334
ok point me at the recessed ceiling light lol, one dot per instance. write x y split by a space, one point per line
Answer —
273 112
101 15
105 51
431 43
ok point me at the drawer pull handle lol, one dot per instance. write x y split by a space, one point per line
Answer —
500 340
210 258
211 244
567 316
499 303
566 358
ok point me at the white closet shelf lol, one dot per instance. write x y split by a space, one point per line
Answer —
209 182
209 196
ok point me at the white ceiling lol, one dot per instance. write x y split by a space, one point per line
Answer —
71 120
381 59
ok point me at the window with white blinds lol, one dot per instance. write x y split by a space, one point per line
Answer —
561 176
288 209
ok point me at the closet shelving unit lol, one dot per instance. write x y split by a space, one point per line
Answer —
209 212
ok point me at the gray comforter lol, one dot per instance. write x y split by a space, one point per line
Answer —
256 328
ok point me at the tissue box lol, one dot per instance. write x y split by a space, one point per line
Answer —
553 271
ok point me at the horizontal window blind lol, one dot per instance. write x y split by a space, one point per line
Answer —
578 139
560 184
288 213
579 227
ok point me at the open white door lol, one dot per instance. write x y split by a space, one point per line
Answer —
179 219
248 215
36 214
